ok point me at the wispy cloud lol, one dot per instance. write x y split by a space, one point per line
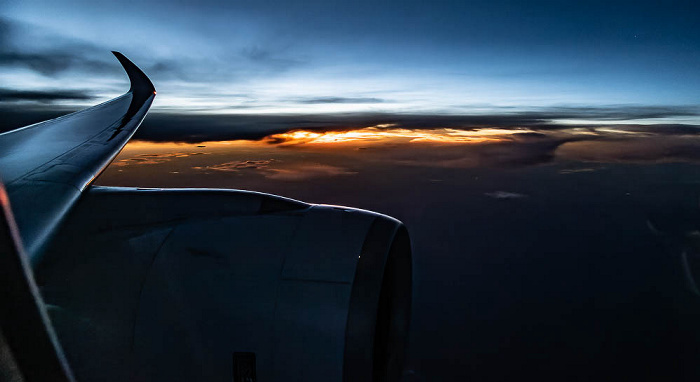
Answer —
611 113
567 171
44 96
150 159
237 166
278 170
324 100
307 171
50 54
505 195
269 59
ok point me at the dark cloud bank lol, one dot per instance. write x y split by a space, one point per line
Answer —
10 95
536 139
67 56
194 128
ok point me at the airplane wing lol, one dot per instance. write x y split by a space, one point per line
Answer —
47 165
191 284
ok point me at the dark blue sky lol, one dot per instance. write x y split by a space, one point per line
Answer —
456 57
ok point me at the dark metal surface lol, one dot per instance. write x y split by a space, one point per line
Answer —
380 305
29 345
186 277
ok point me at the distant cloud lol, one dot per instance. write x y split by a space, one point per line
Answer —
59 54
51 63
634 149
237 166
505 195
512 153
323 100
661 129
10 95
577 170
201 127
195 128
64 53
612 112
307 171
277 170
529 138
150 159
269 58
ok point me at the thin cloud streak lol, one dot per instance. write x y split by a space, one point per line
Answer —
43 96
324 100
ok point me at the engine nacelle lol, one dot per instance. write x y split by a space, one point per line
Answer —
222 285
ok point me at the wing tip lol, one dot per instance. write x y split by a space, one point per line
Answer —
139 80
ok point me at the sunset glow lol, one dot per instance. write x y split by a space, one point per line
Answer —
376 134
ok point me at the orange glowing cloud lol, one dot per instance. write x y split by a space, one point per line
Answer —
387 133
151 158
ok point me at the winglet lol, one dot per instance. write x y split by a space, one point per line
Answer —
140 84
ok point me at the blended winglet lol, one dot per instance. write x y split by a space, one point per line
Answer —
140 83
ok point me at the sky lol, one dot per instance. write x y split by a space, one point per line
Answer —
328 57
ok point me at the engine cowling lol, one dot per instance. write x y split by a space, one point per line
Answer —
221 285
